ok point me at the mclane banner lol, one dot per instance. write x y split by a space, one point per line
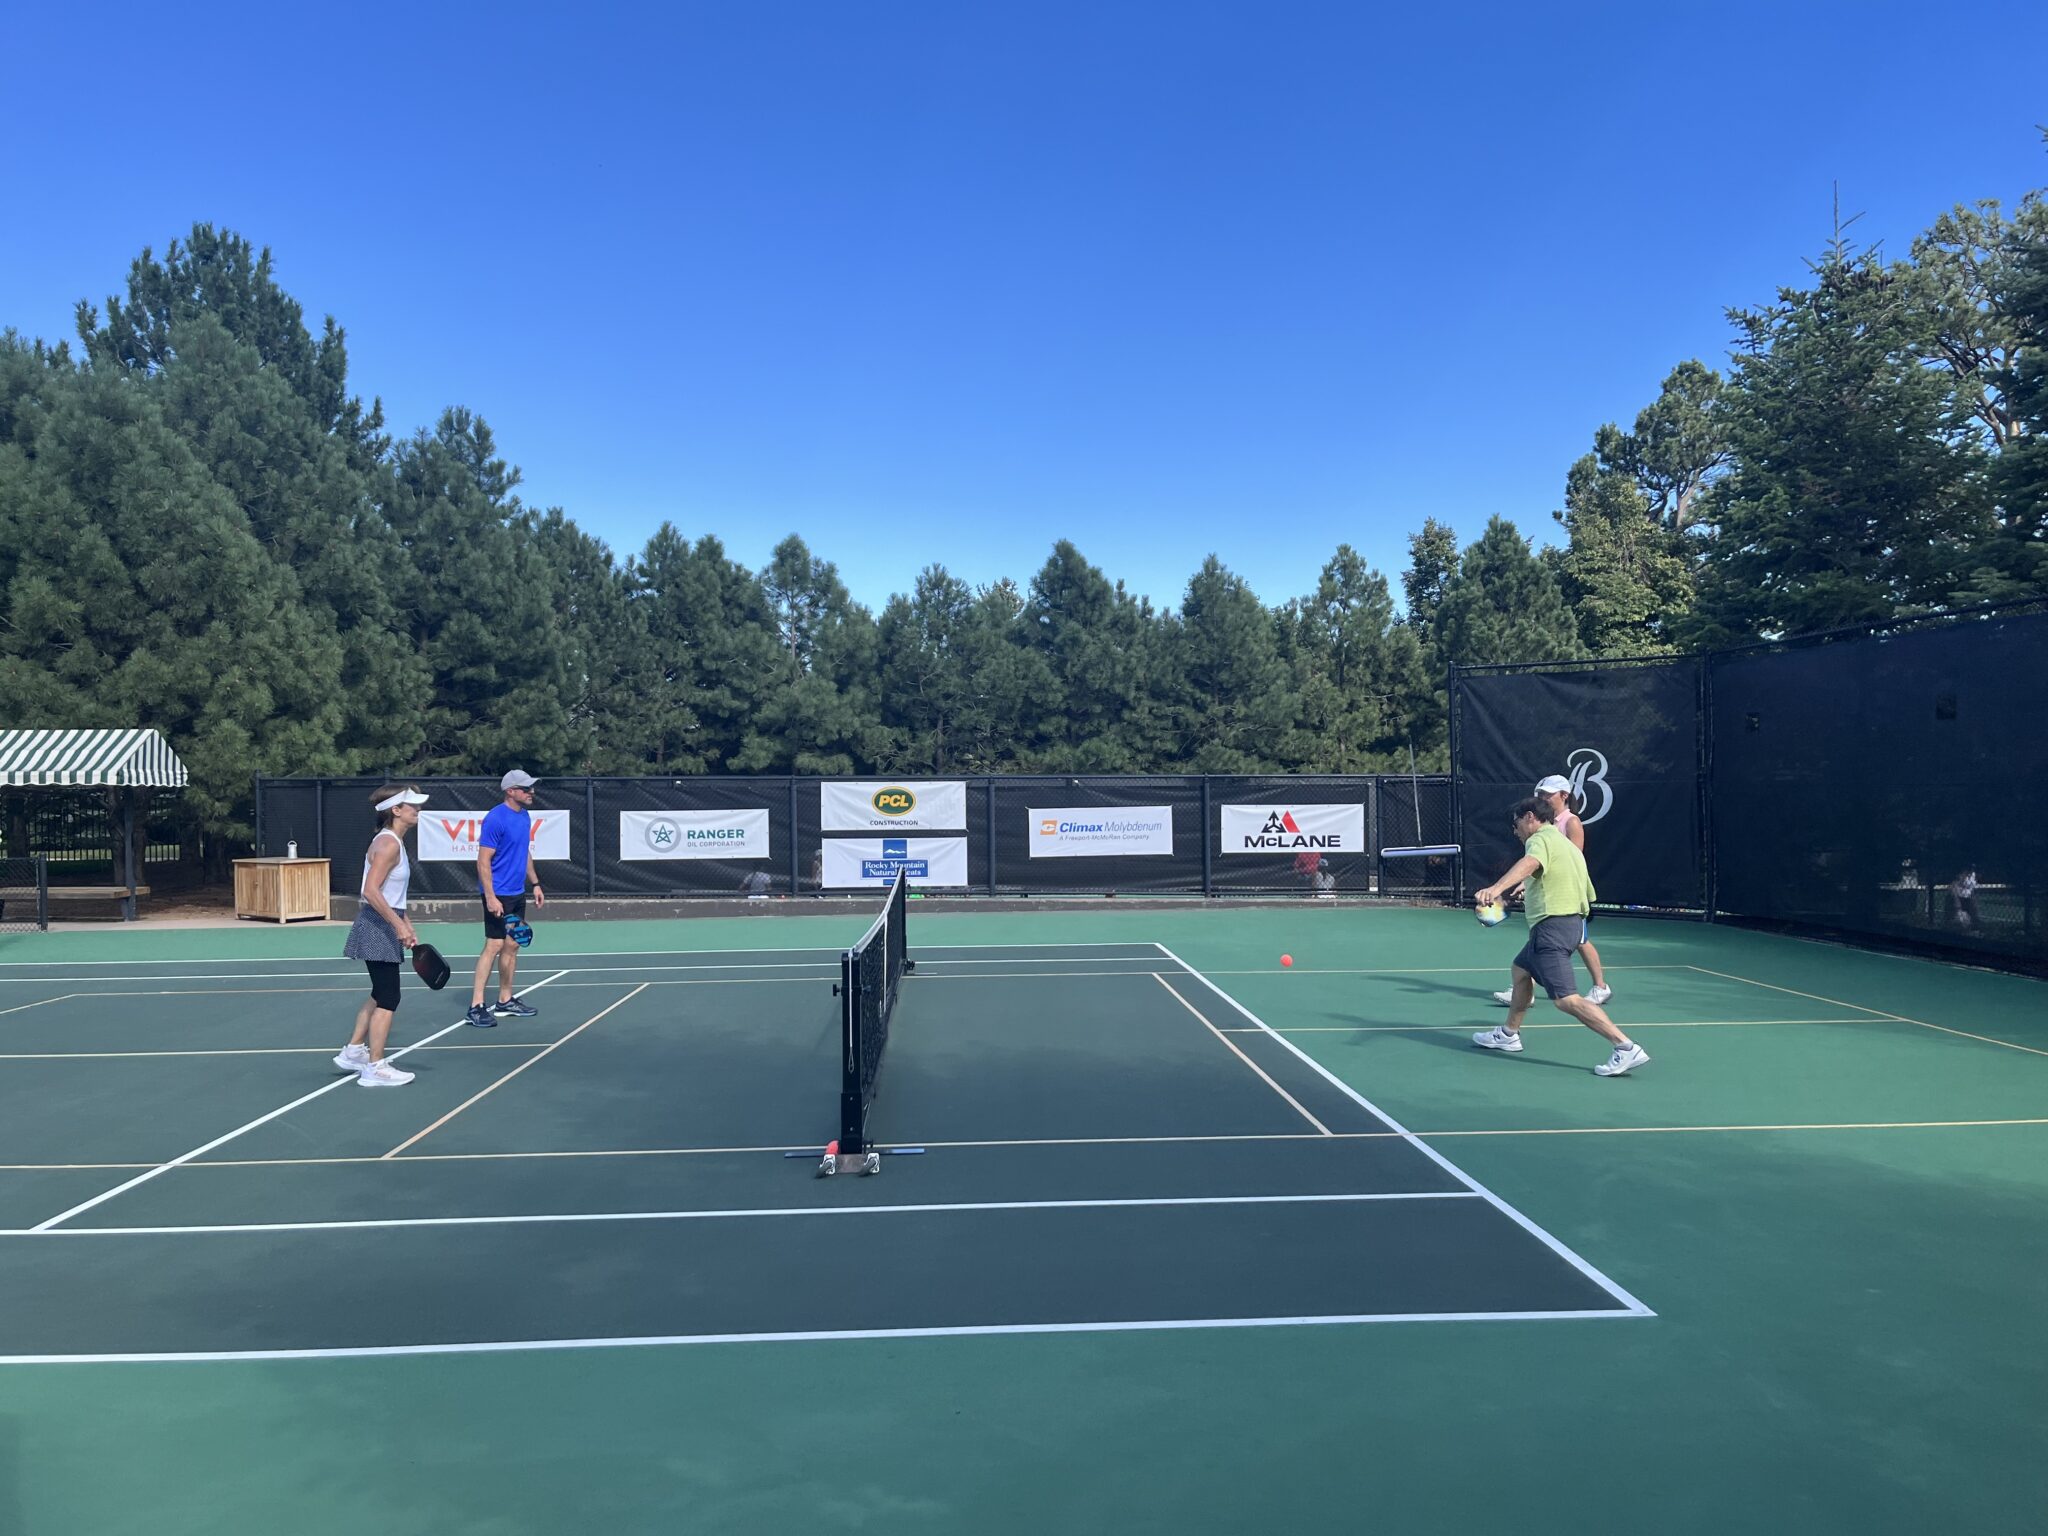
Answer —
693 834
851 861
1097 832
450 836
886 806
1293 829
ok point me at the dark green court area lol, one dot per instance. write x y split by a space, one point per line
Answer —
1081 1137
1173 1239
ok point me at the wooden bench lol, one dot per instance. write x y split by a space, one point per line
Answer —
71 892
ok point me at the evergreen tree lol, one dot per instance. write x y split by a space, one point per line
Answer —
1625 573
1504 605
1855 493
1234 701
483 607
713 644
1432 563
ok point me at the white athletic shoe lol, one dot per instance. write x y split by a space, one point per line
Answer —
1498 1040
353 1058
1505 999
381 1074
1599 995
1624 1057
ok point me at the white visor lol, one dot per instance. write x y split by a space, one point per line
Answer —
403 797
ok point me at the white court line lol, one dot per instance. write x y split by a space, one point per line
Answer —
987 1330
749 1214
1635 1307
1896 1018
501 1082
256 1050
1409 970
1431 1029
220 1141
831 951
18 1007
1240 1055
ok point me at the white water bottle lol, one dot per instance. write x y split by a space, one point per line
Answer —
291 849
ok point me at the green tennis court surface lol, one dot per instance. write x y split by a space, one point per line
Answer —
1191 1243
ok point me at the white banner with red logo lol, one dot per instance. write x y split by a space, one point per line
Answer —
1098 832
1273 829
450 836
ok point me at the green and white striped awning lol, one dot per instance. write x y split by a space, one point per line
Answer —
141 759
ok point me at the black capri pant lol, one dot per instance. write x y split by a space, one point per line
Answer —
383 983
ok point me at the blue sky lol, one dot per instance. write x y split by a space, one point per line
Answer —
947 282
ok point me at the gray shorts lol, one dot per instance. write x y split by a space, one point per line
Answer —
1548 954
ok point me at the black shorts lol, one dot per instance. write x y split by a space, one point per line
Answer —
383 983
1548 954
494 927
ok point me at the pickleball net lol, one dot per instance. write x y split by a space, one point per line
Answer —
870 975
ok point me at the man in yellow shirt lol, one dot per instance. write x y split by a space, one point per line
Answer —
1557 899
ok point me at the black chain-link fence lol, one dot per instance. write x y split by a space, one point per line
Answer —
1314 836
1876 783
24 894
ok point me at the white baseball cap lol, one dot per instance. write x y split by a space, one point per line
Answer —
518 779
1555 784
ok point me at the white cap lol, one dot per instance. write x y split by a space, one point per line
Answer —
1556 784
403 797
518 779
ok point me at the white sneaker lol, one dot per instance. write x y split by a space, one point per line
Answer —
1498 1040
381 1074
1624 1057
1505 999
353 1058
1599 995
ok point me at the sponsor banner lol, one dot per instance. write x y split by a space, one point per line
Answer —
1098 832
854 861
693 834
450 836
884 805
1293 829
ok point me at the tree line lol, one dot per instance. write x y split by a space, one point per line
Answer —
202 529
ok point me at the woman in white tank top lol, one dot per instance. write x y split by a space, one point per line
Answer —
381 935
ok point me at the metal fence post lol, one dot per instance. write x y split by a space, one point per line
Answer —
259 815
795 853
590 830
319 818
1208 842
43 892
989 832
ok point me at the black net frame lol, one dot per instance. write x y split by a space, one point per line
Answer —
870 974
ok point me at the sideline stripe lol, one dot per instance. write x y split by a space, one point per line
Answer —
1135 1325
1076 1141
1898 1018
501 1082
739 1214
830 951
1231 1045
218 1141
1433 1029
1611 1287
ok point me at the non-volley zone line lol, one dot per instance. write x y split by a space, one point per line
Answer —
1612 1287
750 1213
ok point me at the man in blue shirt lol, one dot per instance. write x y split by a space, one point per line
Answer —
504 871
